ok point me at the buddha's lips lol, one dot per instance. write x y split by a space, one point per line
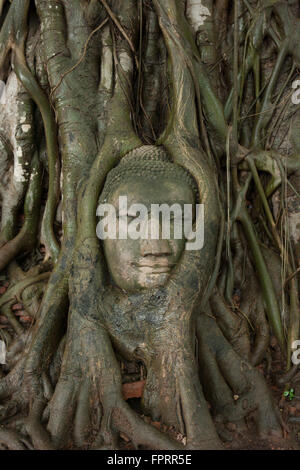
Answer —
155 267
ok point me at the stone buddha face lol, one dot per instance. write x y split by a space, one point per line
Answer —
145 262
136 264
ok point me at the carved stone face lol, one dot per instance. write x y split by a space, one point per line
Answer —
145 263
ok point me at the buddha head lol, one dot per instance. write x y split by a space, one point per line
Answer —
140 257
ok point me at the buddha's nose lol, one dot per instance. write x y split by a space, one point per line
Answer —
155 248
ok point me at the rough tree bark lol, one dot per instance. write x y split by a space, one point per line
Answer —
84 82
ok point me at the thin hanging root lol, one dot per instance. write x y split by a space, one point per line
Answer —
26 239
240 213
262 120
14 192
12 38
43 104
121 29
264 277
294 301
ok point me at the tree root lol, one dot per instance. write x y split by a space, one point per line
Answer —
248 390
26 239
12 440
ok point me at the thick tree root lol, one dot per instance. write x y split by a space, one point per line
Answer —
12 440
232 386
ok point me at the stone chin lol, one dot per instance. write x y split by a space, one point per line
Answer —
140 279
152 280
